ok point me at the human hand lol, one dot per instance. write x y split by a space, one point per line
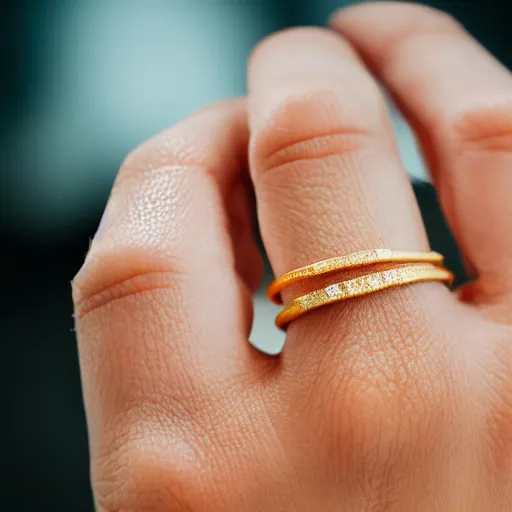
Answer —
400 400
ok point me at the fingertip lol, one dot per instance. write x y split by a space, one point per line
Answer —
377 30
378 17
338 17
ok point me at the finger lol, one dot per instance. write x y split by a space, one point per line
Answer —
161 312
327 174
459 98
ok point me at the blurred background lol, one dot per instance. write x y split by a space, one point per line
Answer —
82 83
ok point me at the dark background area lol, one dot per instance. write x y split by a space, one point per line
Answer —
81 84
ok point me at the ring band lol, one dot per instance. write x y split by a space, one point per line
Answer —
361 286
354 260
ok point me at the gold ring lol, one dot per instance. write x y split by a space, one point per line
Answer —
361 286
354 260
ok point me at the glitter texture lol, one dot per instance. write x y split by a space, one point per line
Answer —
354 260
363 285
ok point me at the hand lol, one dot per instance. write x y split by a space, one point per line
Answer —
400 400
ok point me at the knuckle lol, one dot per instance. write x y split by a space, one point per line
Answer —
164 151
187 146
147 156
110 274
481 128
311 127
174 457
154 474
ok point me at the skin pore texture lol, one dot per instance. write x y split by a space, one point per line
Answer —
396 401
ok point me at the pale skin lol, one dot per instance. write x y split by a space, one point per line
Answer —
398 401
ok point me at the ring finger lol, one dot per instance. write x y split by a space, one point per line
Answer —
326 169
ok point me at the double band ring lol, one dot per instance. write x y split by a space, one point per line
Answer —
411 267
350 261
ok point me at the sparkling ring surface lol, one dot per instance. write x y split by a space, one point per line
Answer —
363 285
349 261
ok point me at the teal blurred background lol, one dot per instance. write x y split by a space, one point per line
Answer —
82 83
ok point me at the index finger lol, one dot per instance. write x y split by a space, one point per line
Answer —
161 313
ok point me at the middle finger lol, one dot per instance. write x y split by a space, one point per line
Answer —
324 161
